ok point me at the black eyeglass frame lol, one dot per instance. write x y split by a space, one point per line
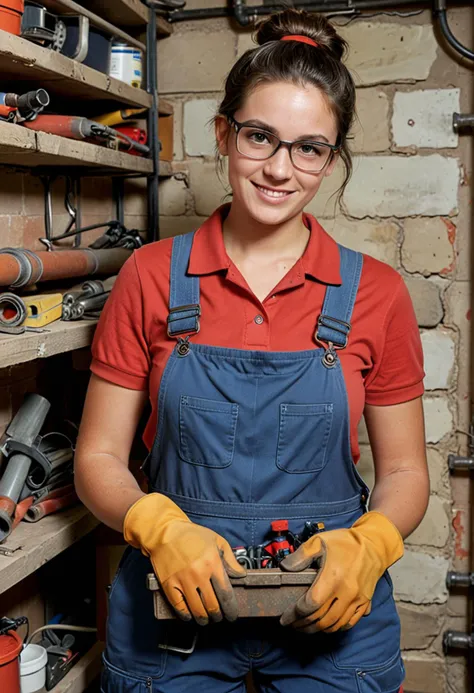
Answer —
286 143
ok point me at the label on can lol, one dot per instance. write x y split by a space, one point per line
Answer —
126 65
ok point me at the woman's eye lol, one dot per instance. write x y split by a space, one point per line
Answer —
258 137
310 150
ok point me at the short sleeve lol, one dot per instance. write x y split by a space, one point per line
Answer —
397 375
119 350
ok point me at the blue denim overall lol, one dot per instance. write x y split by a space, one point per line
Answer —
244 438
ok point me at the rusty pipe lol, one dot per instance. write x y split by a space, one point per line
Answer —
22 267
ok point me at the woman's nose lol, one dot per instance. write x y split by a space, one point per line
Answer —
279 166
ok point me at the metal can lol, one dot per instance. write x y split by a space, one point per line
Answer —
126 64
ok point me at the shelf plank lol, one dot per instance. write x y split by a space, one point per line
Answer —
37 543
62 336
165 107
163 28
84 672
22 147
124 13
24 66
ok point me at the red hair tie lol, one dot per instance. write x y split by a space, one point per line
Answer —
302 39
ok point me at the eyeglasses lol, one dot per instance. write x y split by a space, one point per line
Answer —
258 143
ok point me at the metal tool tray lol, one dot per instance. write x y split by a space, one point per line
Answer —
262 593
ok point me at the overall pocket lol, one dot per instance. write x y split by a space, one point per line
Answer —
303 437
207 431
114 680
387 679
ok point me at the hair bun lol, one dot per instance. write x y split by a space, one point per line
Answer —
292 21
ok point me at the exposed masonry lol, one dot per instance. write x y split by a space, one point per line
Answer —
405 206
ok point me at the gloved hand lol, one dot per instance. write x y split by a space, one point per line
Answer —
191 562
352 562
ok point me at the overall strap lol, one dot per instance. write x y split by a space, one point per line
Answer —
184 306
334 322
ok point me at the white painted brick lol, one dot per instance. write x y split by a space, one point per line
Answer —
420 578
428 246
426 299
175 226
371 131
195 61
420 625
199 138
408 51
172 197
434 528
324 203
402 186
424 118
438 418
206 187
378 239
425 673
438 350
438 470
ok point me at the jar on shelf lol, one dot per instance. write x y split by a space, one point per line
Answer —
126 64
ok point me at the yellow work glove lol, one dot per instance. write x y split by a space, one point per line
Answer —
191 562
351 563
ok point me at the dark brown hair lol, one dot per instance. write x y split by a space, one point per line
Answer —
299 63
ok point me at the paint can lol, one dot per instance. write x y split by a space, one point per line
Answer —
126 64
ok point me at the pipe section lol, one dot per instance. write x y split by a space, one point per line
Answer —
25 427
19 267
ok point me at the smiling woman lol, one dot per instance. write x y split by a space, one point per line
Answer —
260 342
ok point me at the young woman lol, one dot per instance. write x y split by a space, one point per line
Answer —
259 342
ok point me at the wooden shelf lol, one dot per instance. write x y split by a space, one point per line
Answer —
163 28
83 673
125 13
33 544
22 147
25 66
165 107
62 336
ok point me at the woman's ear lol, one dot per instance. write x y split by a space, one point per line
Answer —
222 129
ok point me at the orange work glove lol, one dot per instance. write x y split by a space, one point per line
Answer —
191 562
351 563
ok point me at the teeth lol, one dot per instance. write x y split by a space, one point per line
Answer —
272 193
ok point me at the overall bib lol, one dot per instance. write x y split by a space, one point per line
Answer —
244 438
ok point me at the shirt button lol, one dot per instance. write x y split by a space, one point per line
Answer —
258 319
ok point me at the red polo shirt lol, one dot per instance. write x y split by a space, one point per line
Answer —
382 364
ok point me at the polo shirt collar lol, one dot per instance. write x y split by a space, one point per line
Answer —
320 259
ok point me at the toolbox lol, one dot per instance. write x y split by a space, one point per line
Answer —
261 593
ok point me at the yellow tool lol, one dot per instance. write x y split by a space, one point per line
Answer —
119 117
42 309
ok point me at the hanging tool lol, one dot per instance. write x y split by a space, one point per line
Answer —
72 204
116 236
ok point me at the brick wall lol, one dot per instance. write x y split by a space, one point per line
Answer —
408 204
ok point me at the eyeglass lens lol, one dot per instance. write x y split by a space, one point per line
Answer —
258 144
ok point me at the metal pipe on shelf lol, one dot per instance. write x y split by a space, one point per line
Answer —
24 429
21 267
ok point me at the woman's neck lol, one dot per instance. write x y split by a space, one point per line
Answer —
244 238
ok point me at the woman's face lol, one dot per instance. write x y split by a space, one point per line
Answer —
273 191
